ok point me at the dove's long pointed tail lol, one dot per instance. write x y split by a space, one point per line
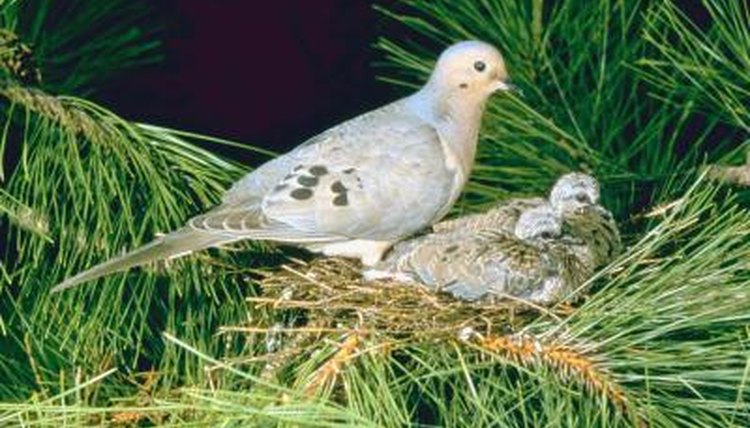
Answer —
176 244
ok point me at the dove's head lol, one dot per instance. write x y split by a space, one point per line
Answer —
539 223
573 192
471 69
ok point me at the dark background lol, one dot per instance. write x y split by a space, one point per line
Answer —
269 74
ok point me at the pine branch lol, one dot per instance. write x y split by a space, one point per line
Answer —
660 338
565 360
706 66
95 183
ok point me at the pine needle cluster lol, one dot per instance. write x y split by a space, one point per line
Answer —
637 93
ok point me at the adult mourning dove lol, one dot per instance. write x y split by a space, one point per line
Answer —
550 252
568 193
360 186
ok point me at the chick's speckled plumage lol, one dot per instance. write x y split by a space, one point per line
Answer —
551 250
569 192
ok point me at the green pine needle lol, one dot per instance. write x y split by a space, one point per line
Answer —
633 92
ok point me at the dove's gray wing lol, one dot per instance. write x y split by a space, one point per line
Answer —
504 217
347 183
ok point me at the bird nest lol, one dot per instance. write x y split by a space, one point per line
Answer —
333 295
339 308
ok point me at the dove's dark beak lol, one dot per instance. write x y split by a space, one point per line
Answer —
504 85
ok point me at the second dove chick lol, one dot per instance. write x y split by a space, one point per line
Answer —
569 192
471 264
547 256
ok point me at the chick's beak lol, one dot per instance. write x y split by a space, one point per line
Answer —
603 212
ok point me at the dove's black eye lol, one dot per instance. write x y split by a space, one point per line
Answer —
479 66
546 235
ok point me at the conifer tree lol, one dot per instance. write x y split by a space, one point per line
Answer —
637 93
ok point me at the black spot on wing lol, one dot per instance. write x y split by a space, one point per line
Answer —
338 187
280 187
307 180
341 200
318 170
301 194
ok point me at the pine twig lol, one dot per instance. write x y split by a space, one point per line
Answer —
565 360
327 374
71 118
18 58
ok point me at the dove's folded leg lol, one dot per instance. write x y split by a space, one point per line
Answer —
176 244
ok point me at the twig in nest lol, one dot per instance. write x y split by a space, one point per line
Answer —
408 313
334 295
308 330
127 418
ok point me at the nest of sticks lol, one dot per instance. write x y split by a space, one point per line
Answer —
342 317
333 294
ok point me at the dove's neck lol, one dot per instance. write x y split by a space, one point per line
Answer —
457 120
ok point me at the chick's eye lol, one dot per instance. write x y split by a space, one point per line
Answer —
479 66
582 198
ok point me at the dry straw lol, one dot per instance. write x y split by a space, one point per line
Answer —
359 317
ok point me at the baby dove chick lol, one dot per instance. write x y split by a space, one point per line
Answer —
590 239
593 235
517 265
550 252
569 192
481 262
359 187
